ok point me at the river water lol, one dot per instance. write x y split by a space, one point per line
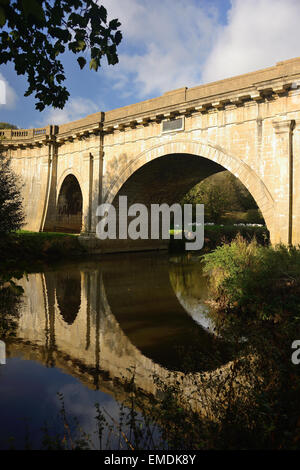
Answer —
84 326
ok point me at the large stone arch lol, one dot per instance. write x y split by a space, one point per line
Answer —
211 152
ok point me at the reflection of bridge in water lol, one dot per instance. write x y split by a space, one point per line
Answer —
94 321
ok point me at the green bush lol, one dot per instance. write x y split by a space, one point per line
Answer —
254 216
250 279
11 206
255 303
31 246
215 235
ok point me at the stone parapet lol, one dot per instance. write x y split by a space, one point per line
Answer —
256 86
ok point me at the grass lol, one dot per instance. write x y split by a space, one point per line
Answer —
48 235
25 246
236 217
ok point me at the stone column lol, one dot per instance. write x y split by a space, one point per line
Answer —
296 183
49 214
97 183
283 181
95 176
88 163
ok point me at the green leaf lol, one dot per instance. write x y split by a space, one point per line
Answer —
118 37
94 64
32 7
114 24
81 61
38 56
81 45
2 17
103 13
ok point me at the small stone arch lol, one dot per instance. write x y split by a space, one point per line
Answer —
212 152
64 174
69 206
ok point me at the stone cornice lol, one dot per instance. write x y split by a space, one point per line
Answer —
283 126
261 85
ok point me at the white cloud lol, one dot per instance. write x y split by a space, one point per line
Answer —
259 33
174 43
8 96
75 108
164 44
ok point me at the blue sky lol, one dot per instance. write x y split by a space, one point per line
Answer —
167 44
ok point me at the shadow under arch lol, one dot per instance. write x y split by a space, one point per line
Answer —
166 172
69 206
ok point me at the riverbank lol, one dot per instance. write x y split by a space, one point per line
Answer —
28 247
23 247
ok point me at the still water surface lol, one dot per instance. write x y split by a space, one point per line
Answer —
82 325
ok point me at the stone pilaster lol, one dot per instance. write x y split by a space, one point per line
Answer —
88 163
97 183
283 166
296 182
49 216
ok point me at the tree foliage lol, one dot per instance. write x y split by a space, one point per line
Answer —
34 33
220 193
7 125
11 211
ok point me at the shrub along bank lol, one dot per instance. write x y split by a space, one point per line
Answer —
215 235
38 246
254 281
255 302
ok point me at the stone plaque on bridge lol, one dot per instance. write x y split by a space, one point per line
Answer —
172 125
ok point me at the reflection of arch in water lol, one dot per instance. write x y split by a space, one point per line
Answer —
69 206
68 294
142 299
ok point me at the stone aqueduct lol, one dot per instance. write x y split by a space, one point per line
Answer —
155 151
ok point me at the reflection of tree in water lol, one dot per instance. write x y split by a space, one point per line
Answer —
187 278
68 294
10 300
190 286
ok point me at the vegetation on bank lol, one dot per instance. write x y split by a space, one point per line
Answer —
255 281
215 235
21 247
11 209
25 247
254 300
